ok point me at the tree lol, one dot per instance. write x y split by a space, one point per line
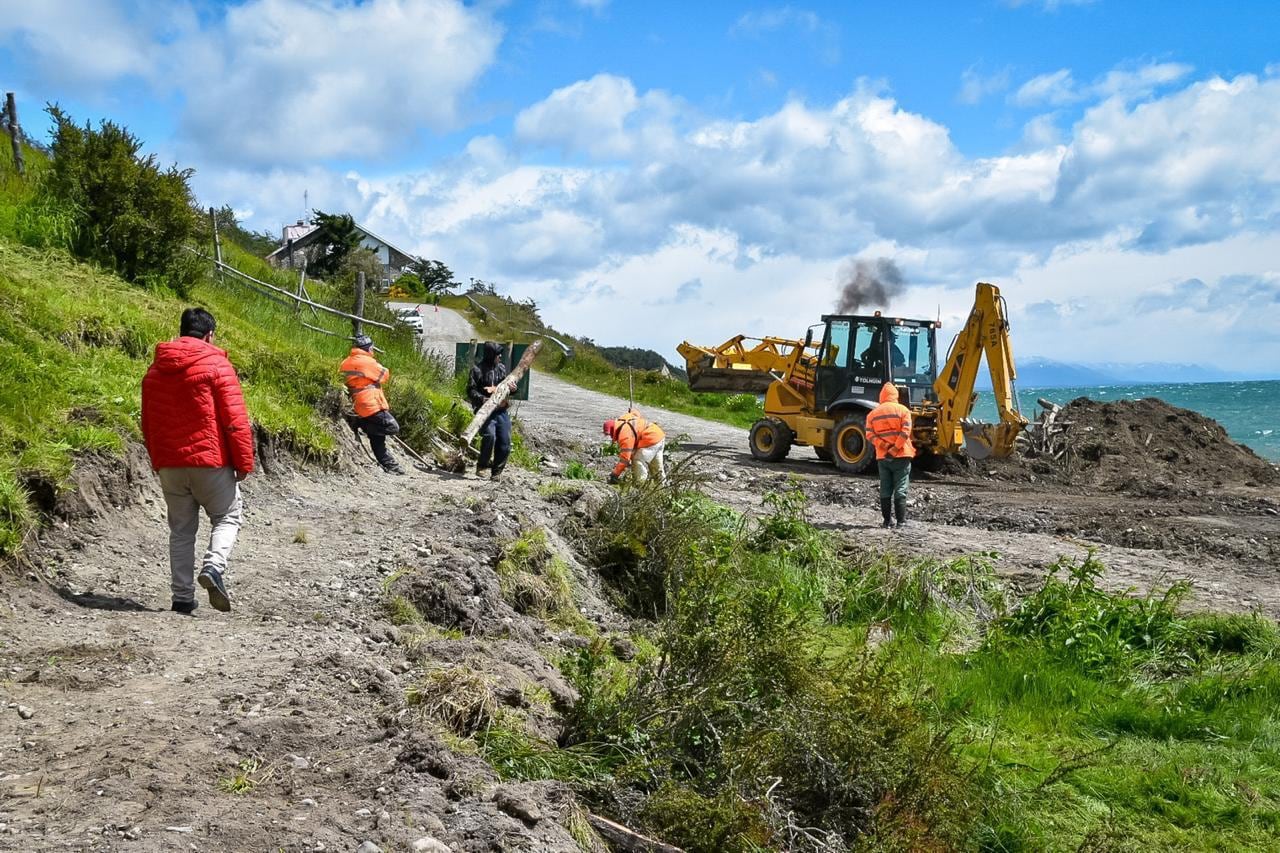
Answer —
433 275
260 243
337 237
130 215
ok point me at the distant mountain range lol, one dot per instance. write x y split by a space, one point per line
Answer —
1037 372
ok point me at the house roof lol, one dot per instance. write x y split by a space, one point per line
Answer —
303 234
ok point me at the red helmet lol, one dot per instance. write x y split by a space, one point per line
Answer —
609 427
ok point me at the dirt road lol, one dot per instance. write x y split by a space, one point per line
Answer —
288 723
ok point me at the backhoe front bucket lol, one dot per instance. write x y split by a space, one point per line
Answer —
730 379
979 439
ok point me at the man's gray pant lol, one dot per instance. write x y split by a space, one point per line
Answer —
186 492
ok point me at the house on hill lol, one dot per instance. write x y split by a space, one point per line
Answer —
299 238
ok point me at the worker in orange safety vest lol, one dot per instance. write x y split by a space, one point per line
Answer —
889 429
641 444
364 378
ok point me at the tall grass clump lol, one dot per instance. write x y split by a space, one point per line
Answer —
748 728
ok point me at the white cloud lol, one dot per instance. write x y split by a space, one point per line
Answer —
89 44
602 117
296 80
1059 88
824 35
272 82
1131 199
975 86
1055 88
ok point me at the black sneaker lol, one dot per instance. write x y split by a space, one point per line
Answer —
394 468
211 580
184 607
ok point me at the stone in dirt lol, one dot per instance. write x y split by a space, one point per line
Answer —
427 844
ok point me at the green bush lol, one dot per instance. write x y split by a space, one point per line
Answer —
129 215
1080 622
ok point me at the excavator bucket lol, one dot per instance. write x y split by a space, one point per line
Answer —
729 379
979 439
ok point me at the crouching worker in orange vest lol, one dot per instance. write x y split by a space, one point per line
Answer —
364 379
640 447
889 428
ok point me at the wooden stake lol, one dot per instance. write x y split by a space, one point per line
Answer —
357 326
15 133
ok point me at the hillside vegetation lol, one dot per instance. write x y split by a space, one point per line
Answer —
76 339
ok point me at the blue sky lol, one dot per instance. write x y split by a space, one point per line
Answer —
655 171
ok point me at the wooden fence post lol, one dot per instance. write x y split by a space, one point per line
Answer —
15 132
357 327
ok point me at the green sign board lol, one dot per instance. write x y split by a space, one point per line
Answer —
468 353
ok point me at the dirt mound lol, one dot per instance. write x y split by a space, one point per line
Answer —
1149 447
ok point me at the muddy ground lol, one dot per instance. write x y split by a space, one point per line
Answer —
123 726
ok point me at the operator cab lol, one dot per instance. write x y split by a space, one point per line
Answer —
859 354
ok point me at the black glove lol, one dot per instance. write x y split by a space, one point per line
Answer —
614 479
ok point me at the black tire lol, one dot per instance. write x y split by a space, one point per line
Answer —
770 440
849 447
824 453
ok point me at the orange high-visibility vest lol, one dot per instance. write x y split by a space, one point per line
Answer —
364 378
889 426
632 432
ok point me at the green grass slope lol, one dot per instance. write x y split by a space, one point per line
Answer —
75 342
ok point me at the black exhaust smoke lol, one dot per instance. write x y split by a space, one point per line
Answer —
868 282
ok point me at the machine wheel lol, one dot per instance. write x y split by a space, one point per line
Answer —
824 453
770 440
849 447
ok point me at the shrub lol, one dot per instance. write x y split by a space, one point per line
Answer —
129 215
1079 622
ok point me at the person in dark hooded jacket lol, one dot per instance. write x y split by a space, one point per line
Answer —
495 434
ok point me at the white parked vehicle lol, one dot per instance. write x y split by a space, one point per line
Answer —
411 318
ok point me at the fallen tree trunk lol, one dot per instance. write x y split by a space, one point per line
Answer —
500 394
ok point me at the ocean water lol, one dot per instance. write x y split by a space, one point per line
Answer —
1249 411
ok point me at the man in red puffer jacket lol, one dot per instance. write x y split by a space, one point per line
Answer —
201 444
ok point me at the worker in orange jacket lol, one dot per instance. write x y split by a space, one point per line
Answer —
889 428
364 378
640 447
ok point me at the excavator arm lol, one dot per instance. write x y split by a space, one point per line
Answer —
986 331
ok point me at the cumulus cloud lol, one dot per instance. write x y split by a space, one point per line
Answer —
270 82
602 117
89 44
283 80
1176 181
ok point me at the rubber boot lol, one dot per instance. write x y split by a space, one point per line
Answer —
900 510
886 508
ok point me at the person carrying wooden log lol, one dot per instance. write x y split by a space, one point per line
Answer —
364 378
495 433
641 445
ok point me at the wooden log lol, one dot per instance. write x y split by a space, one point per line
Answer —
500 394
628 840
15 132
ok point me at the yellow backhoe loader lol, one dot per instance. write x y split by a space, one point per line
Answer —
819 394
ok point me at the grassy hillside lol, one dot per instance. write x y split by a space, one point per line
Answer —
508 320
75 342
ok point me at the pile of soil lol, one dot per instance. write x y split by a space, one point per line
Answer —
1149 447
